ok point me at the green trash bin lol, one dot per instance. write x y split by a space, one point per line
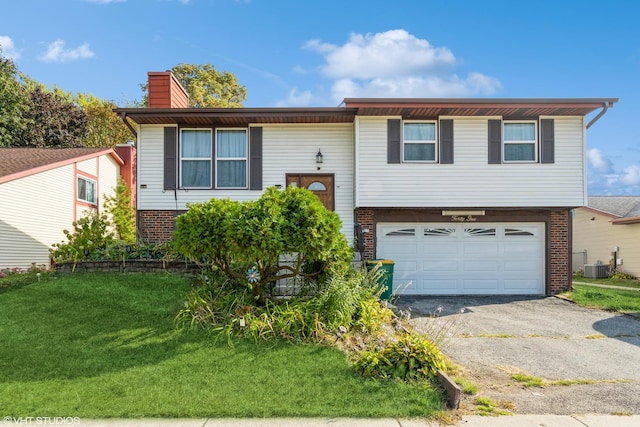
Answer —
386 279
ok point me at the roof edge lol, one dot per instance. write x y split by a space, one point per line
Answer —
54 165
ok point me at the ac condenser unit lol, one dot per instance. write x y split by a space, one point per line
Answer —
596 271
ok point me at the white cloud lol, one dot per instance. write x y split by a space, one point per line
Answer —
396 64
297 99
599 164
8 48
56 52
631 175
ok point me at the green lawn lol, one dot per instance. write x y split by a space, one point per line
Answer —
96 346
628 283
619 300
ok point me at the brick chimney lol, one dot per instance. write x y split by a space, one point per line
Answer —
165 91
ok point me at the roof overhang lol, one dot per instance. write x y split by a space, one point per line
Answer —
407 108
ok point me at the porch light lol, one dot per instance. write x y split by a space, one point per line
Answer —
319 157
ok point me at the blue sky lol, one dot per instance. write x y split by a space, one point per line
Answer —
315 53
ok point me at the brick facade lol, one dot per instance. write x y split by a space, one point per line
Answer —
559 246
558 236
156 226
364 217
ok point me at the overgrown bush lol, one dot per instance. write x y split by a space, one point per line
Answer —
621 275
90 237
409 357
247 240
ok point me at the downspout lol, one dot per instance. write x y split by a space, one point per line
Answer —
123 115
605 107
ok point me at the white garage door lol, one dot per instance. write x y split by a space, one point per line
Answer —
464 258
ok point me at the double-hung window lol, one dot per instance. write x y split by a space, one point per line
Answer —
231 158
195 158
86 190
419 141
520 141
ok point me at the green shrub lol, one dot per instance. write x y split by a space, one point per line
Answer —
123 213
247 240
90 237
621 275
410 357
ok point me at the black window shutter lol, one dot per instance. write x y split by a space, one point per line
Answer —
446 141
394 144
170 157
255 158
547 141
495 141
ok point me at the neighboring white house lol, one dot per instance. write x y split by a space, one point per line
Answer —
467 196
43 190
607 231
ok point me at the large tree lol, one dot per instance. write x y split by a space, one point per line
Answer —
207 87
104 129
53 121
13 103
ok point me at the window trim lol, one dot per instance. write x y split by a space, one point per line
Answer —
528 142
95 190
245 158
434 142
181 159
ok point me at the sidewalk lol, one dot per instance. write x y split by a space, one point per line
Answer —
467 421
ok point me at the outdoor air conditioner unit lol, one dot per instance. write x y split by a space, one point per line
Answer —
596 271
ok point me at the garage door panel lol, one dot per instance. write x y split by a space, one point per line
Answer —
522 284
481 248
405 248
454 259
522 266
488 285
480 266
441 248
445 266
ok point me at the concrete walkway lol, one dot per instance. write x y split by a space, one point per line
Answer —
468 421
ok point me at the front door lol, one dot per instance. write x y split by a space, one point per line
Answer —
319 184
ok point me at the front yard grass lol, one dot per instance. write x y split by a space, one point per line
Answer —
618 300
628 283
105 345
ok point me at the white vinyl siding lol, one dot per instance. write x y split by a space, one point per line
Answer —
41 207
470 180
288 148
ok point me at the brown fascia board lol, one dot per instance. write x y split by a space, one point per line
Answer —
623 221
236 112
417 102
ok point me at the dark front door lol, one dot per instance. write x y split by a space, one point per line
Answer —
319 184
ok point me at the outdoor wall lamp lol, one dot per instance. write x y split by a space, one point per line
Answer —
319 157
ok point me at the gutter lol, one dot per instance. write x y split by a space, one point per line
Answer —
123 115
605 107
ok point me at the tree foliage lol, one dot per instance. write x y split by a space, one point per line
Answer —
13 103
207 87
123 213
32 115
53 121
104 128
235 237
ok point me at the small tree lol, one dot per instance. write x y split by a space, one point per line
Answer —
122 212
246 240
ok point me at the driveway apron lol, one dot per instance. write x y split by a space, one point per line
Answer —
596 352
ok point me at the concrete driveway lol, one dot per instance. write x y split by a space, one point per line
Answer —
544 337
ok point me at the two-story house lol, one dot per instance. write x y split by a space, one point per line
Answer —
466 196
